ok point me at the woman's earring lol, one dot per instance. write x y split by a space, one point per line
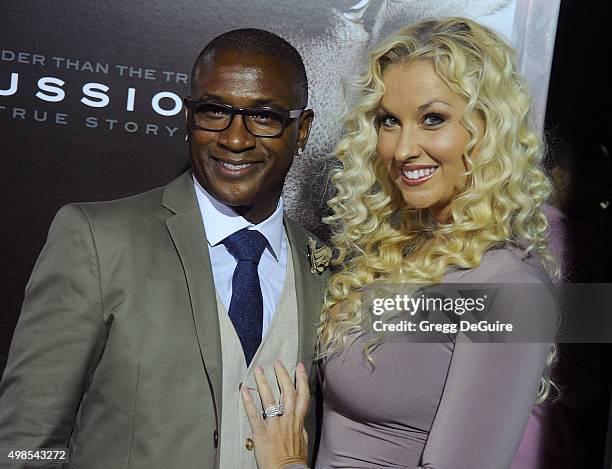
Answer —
299 151
186 137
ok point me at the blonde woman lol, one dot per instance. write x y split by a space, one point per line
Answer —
440 181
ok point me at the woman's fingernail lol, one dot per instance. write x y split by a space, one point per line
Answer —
301 366
259 369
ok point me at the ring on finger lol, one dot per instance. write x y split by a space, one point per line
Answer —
274 411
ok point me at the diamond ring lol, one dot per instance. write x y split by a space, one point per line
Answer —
274 411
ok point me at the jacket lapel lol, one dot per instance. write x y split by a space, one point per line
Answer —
309 290
187 231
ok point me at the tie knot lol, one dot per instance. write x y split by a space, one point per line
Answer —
246 245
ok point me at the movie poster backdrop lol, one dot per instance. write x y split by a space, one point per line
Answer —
91 96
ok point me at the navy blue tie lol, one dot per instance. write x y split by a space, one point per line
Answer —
246 306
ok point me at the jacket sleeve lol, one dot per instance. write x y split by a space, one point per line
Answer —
58 340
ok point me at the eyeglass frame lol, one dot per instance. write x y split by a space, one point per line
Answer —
286 114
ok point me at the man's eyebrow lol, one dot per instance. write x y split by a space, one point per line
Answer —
254 103
210 97
266 102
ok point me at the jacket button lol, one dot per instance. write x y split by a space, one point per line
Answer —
249 445
216 438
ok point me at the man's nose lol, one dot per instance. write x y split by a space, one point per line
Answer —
236 138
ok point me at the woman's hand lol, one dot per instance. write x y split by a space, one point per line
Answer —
279 440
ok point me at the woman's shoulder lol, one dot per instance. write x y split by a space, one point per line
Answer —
504 264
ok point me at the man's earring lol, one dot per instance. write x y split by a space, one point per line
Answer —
299 151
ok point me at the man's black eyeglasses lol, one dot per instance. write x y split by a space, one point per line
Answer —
259 121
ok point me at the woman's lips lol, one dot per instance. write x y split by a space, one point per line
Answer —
417 175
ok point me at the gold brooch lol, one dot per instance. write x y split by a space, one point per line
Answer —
319 256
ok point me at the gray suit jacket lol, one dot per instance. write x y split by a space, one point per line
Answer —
117 351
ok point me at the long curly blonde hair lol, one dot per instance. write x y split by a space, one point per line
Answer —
373 229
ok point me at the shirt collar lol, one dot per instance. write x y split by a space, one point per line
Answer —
220 221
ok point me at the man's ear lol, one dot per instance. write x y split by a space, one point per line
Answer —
304 128
186 108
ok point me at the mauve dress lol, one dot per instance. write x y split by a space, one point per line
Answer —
437 405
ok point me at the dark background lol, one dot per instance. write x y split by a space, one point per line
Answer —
579 133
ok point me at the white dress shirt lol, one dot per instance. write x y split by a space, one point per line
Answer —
220 221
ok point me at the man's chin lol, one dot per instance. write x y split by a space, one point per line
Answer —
234 200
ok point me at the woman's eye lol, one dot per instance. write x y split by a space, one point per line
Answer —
433 119
387 121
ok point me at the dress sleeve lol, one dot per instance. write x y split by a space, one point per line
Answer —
58 340
490 390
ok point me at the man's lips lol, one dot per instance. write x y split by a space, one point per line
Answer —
235 168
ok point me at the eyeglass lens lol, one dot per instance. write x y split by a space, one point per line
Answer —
261 122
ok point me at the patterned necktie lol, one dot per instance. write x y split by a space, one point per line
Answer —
246 306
